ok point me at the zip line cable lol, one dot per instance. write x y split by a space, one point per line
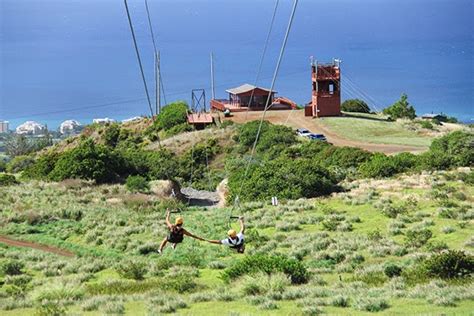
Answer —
138 57
78 107
262 58
150 26
275 74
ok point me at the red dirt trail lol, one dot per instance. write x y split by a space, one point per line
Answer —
28 244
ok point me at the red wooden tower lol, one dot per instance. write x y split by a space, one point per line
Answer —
326 92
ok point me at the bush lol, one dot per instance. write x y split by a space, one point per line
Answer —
19 163
268 264
392 270
42 167
111 135
281 177
11 267
450 264
132 270
3 165
401 109
137 184
171 115
379 166
455 148
371 304
355 105
7 179
417 237
426 124
271 136
90 162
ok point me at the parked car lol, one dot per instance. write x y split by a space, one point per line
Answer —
319 137
303 132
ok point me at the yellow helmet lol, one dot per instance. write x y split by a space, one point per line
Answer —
179 221
232 233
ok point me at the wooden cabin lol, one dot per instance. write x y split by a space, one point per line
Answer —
239 100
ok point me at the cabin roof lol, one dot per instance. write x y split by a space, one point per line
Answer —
246 88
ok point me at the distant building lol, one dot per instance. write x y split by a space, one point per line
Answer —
252 98
132 119
103 120
4 126
31 128
326 90
432 116
70 127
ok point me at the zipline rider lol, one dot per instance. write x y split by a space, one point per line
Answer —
176 232
233 240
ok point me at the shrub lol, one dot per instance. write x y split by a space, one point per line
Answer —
379 166
282 177
417 237
340 301
450 264
42 167
392 270
355 105
171 115
371 304
132 270
19 163
11 267
113 308
50 308
7 179
137 184
426 124
3 165
401 109
90 162
111 134
268 264
271 136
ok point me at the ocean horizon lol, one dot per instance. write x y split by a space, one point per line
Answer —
75 59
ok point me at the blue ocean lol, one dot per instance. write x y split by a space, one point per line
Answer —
75 59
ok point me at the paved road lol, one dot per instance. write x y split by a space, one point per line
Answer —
296 119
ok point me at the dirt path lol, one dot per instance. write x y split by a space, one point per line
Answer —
296 119
28 244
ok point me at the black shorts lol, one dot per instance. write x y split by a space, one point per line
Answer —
175 239
240 248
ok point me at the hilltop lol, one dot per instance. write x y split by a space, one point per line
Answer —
371 132
355 231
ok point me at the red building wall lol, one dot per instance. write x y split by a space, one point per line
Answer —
326 94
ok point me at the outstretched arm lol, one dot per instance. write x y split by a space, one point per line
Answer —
191 235
242 225
168 219
217 242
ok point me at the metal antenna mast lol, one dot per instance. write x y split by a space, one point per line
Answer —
213 91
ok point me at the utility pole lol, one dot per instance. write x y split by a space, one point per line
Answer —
158 83
213 92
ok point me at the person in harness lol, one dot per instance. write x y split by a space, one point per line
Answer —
176 232
234 240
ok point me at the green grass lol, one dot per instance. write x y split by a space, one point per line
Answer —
97 235
375 131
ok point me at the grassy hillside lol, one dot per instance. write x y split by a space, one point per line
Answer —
345 242
373 129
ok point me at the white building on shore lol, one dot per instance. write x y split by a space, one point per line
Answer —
4 126
103 120
31 128
70 127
